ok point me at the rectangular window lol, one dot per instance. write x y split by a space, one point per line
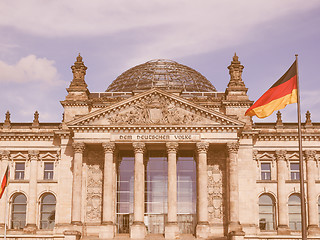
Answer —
48 171
19 171
265 171
294 171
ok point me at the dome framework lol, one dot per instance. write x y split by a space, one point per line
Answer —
161 73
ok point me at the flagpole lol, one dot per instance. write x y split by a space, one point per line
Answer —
6 215
303 200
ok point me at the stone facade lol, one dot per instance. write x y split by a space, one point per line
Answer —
66 178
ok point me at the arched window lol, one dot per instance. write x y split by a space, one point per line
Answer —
48 210
266 212
294 205
18 211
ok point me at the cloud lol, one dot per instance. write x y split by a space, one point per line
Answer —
30 69
175 27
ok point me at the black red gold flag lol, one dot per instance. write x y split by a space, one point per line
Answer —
279 95
4 182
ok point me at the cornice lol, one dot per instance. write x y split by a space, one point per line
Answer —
245 103
249 134
287 137
75 103
161 129
26 136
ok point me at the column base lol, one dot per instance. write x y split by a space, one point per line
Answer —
313 230
138 230
236 235
71 235
235 227
107 230
30 228
171 230
283 230
78 223
202 230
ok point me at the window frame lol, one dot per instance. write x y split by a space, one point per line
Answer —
294 174
265 172
43 212
298 213
273 213
20 172
13 212
48 171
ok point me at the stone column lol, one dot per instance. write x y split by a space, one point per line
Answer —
234 226
202 185
4 156
138 229
108 227
32 198
283 228
78 148
312 200
172 228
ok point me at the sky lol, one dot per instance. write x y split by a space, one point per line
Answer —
40 40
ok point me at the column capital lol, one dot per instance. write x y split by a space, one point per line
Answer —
33 154
310 155
202 147
108 147
138 147
233 147
5 155
78 147
172 147
281 155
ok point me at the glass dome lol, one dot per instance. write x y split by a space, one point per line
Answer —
161 73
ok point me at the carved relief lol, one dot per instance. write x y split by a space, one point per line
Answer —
155 110
215 187
94 193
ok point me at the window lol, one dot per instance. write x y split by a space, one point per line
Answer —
48 171
125 188
48 210
265 171
294 205
186 192
19 171
266 212
156 185
294 171
18 211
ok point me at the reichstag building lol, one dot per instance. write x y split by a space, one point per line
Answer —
160 154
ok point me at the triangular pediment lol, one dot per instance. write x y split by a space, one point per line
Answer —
155 108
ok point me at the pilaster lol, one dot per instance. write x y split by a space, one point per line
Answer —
78 148
32 198
313 228
283 228
4 156
234 226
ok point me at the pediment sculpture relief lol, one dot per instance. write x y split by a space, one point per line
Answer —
155 110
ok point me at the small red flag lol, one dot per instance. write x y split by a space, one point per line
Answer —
4 182
282 93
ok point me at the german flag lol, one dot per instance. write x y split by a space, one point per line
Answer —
4 182
282 93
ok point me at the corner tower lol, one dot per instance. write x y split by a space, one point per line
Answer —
77 100
236 99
